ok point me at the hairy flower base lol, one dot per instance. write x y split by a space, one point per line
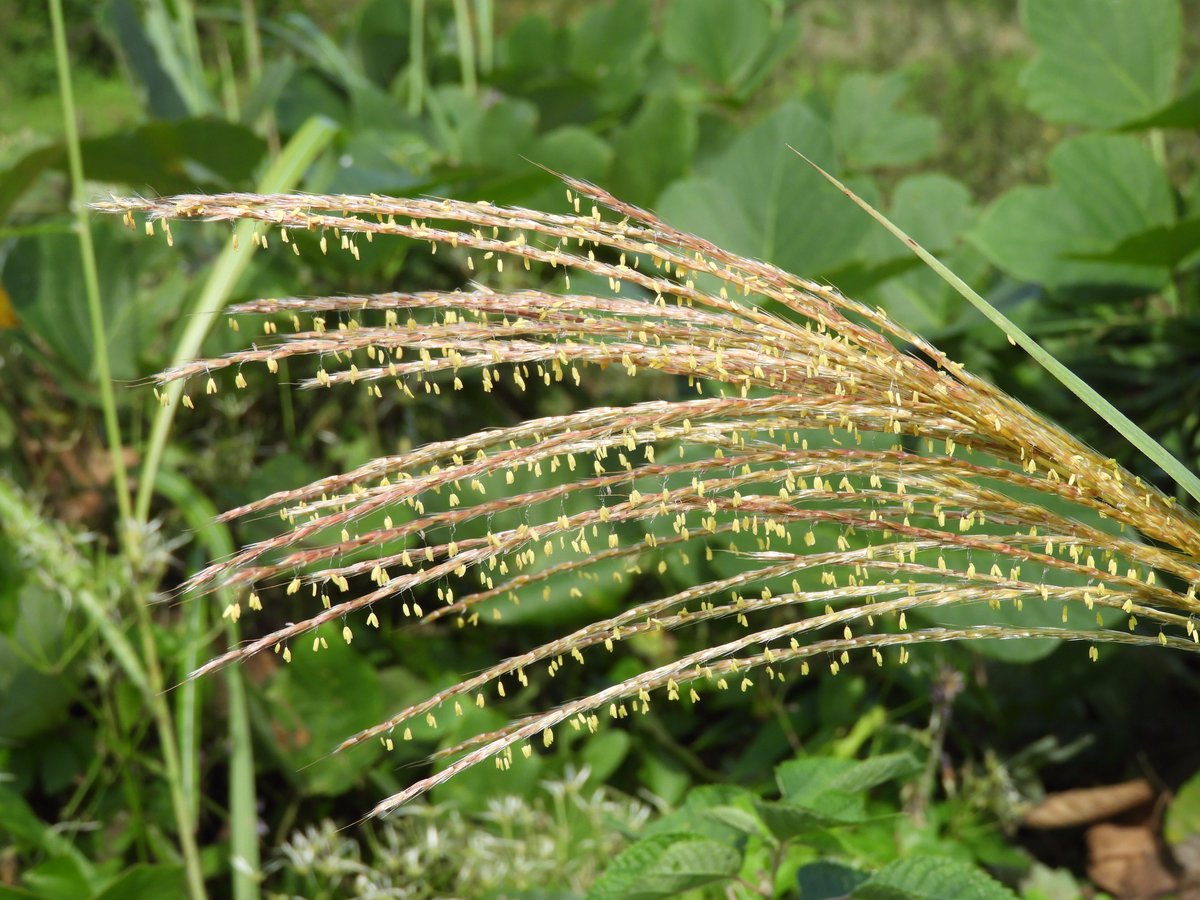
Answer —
829 475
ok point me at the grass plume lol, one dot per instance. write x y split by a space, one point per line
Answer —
843 481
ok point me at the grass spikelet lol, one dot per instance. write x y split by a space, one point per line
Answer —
844 480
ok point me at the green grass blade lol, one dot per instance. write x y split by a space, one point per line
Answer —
1153 450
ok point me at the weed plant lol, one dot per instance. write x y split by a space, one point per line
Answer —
836 488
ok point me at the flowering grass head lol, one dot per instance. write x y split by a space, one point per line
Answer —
840 487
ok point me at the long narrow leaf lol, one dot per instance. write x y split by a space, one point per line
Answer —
1153 450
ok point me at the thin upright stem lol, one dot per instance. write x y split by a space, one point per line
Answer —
416 57
466 46
91 281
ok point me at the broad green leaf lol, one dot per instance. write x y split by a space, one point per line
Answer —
665 866
604 753
937 211
870 132
381 161
608 48
1105 189
1101 63
166 156
308 93
1183 815
801 781
695 814
722 44
785 37
573 149
532 45
164 97
382 35
19 823
180 155
1181 113
654 149
36 687
934 208
753 199
314 702
826 880
497 136
609 36
741 820
791 820
142 880
570 148
1168 246
60 878
44 277
931 878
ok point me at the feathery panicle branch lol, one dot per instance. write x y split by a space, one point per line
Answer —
837 473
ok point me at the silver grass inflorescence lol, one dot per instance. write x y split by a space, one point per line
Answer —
843 479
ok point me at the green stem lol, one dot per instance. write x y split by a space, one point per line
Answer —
416 57
188 706
1158 148
254 71
466 46
285 171
185 25
108 401
485 25
170 752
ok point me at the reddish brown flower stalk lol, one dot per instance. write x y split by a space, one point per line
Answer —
837 473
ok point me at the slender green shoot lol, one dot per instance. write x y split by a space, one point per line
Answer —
416 56
108 402
485 25
466 47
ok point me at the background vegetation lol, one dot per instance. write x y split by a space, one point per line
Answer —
1047 152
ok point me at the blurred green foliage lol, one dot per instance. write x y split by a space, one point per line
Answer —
1050 158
